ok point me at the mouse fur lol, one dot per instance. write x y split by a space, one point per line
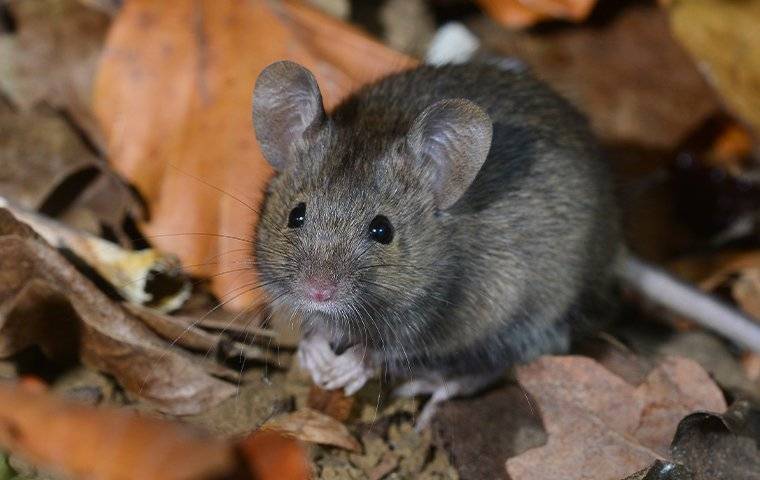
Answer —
494 260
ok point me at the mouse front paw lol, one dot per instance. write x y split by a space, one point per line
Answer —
350 370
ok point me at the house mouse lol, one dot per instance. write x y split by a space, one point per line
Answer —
439 225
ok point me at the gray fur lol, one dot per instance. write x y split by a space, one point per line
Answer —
502 275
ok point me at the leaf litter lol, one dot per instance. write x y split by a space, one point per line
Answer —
175 124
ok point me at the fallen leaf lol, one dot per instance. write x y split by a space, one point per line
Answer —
311 426
598 425
677 387
44 160
740 270
143 277
73 439
334 403
720 447
662 470
724 41
628 75
185 331
478 433
173 94
524 13
52 57
45 301
746 292
273 456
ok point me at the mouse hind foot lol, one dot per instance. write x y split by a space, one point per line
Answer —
441 389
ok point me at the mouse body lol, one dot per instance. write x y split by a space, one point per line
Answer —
440 224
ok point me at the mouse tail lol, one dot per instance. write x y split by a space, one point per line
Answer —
662 288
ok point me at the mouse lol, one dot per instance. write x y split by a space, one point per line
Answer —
438 226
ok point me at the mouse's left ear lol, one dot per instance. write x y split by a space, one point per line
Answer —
452 139
287 103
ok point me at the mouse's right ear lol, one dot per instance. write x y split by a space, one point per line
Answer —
287 104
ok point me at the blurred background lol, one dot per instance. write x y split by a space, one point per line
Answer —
126 145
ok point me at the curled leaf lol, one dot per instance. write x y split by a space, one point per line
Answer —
311 426
45 301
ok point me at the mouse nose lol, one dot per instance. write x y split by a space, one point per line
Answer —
320 290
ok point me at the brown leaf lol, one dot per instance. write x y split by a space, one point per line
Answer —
720 447
74 439
739 269
334 403
674 389
587 410
311 426
273 456
724 40
45 301
52 57
746 292
522 13
173 94
184 331
628 75
42 156
478 433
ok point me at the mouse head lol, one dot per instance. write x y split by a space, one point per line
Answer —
357 222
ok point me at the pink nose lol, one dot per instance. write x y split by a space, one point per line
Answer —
320 290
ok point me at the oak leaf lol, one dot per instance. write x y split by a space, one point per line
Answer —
600 426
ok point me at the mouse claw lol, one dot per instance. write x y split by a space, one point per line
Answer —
349 370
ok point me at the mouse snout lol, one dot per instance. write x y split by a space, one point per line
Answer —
320 289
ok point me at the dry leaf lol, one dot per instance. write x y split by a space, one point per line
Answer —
524 13
746 292
44 159
724 41
334 403
74 439
480 432
628 75
173 94
720 447
185 331
38 151
143 277
587 410
52 57
45 301
273 456
739 269
311 426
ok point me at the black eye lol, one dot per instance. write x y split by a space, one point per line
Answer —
297 216
381 230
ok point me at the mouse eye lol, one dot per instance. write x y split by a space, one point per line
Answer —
297 216
381 230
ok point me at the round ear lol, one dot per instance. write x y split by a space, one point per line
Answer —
451 137
286 103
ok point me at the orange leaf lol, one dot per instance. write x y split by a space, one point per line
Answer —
524 13
173 95
104 444
334 403
273 456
